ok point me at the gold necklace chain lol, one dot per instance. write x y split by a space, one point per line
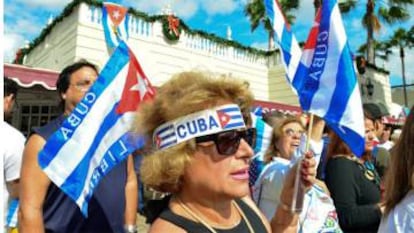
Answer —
205 224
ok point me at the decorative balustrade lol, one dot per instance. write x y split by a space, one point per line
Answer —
139 28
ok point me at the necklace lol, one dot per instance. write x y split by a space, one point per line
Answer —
205 224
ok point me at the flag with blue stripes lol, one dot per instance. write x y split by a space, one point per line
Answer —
166 137
291 52
263 139
329 86
115 20
230 118
11 218
97 136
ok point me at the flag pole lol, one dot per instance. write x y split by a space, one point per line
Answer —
299 190
309 132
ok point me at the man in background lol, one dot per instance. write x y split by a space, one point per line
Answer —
11 148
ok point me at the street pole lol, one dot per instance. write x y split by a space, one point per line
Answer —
403 75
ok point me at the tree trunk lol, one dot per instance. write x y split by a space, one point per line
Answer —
403 75
370 33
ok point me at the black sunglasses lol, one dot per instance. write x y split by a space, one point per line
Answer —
228 142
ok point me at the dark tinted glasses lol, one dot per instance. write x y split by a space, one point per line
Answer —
228 142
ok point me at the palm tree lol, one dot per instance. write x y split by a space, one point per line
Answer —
382 49
256 12
344 5
394 11
403 39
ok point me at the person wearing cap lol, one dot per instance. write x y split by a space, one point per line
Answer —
199 126
377 112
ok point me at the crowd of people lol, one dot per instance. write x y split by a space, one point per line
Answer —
199 145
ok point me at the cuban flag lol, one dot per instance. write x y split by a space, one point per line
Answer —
97 136
166 137
115 20
11 217
263 139
327 83
291 52
230 118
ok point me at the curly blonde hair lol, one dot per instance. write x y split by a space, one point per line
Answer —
183 94
278 123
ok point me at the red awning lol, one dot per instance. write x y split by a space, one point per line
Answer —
28 77
393 121
274 106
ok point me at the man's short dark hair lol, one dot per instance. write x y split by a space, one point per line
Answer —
62 83
375 110
10 87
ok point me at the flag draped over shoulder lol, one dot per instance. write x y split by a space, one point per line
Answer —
96 136
288 44
327 83
115 21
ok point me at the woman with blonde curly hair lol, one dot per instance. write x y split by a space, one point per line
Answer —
202 146
317 213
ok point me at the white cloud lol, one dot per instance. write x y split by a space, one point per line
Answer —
212 7
10 45
260 45
49 4
151 7
186 8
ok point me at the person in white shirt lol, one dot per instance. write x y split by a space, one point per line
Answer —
318 212
399 194
11 149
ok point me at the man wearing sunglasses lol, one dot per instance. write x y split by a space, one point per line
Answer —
202 147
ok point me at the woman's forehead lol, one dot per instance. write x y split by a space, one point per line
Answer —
293 125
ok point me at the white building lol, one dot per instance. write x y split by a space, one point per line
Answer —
78 33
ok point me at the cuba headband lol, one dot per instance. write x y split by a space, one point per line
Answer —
206 122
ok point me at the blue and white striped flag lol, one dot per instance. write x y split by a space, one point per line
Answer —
327 83
263 139
11 218
115 20
288 44
96 136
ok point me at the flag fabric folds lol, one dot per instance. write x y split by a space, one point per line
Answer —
96 136
115 20
291 52
326 81
263 139
11 217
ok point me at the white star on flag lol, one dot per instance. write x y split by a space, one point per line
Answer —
141 87
116 14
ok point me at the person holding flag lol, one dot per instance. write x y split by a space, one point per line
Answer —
202 141
45 206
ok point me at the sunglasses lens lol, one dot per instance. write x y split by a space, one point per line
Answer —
228 142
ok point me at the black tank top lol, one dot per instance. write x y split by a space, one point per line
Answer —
196 227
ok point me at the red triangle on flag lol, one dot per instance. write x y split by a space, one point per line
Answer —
224 118
116 13
137 87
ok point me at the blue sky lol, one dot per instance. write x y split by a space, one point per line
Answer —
24 19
